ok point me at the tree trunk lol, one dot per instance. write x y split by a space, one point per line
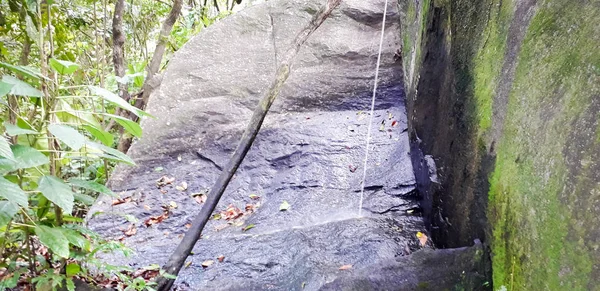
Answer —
119 47
152 79
178 257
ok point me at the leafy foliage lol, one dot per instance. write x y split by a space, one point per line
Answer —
60 122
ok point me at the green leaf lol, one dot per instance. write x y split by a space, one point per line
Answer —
63 67
76 239
105 137
5 150
12 192
83 198
21 88
54 239
68 115
115 99
7 211
130 126
91 185
284 206
73 269
68 135
5 88
57 191
70 282
27 157
24 71
111 153
14 130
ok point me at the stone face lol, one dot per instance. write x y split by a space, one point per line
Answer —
505 95
308 153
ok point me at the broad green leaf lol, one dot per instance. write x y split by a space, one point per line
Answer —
115 99
111 153
130 126
91 185
54 239
24 70
70 283
76 239
12 192
5 150
21 88
72 269
14 130
7 211
5 88
68 135
63 67
105 137
57 191
67 114
27 157
83 198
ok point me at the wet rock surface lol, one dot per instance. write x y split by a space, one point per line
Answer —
309 154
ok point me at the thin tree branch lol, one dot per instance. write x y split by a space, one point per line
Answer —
178 257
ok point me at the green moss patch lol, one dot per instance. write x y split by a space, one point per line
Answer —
539 221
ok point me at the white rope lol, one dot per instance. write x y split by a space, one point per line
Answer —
362 190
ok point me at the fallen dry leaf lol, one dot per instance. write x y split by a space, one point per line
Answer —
394 123
131 230
173 204
200 198
231 212
164 180
182 187
147 207
188 225
254 196
249 207
352 168
216 216
188 263
207 263
346 267
121 201
422 238
221 258
156 219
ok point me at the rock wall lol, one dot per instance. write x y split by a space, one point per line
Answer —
505 95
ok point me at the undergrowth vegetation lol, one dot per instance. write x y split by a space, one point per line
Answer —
63 111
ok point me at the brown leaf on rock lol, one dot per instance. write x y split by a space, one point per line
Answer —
232 212
188 225
121 201
156 219
221 258
346 267
164 180
131 230
250 207
200 198
207 263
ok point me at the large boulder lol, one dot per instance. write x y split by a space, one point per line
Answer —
309 154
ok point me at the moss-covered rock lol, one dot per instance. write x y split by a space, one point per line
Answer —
505 95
